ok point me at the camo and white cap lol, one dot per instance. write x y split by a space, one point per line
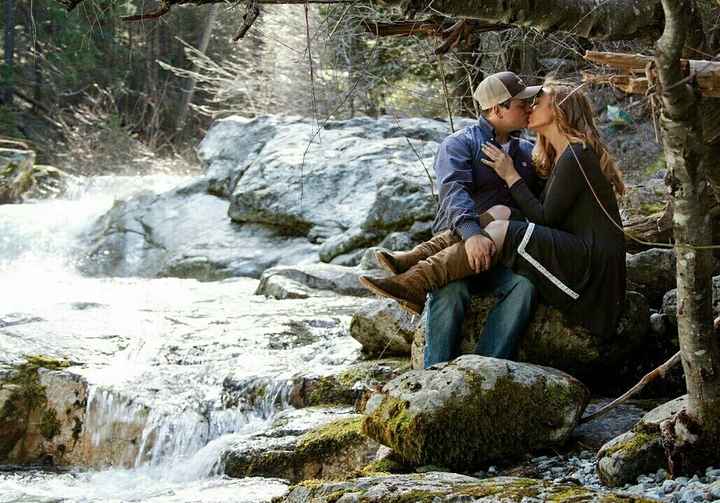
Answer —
500 87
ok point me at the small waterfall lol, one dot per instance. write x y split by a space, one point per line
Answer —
125 432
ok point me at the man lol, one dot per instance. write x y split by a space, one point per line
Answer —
468 189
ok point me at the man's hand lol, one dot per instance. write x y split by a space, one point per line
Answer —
480 250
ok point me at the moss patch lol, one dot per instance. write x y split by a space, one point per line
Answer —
315 452
331 439
635 444
26 395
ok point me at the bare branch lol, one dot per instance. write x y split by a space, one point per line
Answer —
661 371
162 9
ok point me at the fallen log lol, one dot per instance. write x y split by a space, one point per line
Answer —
635 73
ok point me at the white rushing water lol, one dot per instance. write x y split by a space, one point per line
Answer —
155 354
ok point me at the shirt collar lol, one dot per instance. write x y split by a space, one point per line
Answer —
489 130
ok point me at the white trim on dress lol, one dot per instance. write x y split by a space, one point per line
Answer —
555 281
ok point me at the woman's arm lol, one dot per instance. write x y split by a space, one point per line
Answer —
564 186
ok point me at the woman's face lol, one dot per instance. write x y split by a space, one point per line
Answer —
541 112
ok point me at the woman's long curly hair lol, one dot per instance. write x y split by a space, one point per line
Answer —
574 117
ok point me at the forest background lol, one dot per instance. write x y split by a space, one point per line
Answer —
93 93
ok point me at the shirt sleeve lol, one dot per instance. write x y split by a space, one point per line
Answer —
454 171
565 184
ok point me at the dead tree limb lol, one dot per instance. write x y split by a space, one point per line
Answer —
661 371
636 73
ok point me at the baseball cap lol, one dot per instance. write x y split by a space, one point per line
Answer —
500 87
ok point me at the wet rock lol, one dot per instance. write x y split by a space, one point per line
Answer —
669 304
618 420
638 451
383 328
447 487
550 341
281 287
330 451
474 410
350 386
335 278
42 411
177 234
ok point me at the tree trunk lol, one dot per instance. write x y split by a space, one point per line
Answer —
692 437
190 91
9 44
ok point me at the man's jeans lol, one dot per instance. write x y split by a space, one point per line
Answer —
445 313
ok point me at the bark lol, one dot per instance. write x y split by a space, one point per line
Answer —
202 47
693 435
9 51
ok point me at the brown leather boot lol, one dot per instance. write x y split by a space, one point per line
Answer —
411 287
399 262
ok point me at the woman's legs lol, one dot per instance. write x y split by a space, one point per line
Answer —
399 262
497 230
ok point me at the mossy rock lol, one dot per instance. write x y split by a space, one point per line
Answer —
553 342
348 387
439 486
474 410
331 451
40 409
16 174
639 451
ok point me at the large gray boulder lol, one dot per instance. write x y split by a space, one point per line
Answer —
551 341
638 451
295 197
474 410
446 487
185 233
346 187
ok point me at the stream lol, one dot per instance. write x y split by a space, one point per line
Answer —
155 354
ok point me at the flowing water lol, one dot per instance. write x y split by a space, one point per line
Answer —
155 354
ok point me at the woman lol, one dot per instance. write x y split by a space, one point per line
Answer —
572 248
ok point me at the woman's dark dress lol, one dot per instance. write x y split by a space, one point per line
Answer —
569 248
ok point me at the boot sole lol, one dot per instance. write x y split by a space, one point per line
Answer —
385 263
410 307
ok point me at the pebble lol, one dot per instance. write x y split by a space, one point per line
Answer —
668 486
581 468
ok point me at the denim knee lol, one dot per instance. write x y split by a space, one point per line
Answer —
455 292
